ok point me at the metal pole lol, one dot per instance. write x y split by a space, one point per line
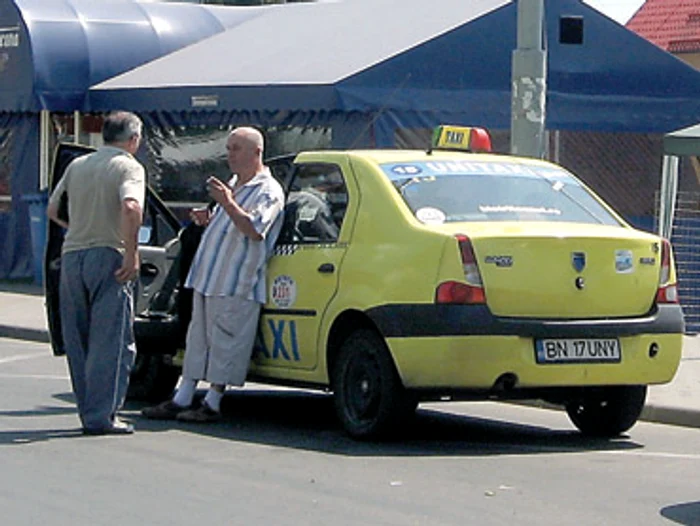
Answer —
76 127
667 197
44 138
529 87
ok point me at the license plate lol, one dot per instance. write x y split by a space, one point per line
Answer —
584 350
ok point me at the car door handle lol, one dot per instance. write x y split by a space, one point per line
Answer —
149 270
327 268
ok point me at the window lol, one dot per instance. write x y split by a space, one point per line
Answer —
179 159
316 205
451 191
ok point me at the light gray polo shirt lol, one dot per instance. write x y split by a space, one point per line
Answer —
97 184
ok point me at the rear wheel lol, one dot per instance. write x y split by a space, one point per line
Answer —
370 400
153 378
607 411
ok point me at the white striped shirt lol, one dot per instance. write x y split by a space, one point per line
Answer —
229 263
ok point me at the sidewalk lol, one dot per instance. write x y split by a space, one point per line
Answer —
23 316
22 312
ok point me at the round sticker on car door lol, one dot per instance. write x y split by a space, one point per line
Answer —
283 291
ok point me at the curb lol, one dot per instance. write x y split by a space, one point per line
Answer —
671 416
23 333
656 414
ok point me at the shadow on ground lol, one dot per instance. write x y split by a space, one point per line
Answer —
306 420
687 513
24 436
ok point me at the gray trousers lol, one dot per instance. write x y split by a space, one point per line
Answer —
97 326
220 339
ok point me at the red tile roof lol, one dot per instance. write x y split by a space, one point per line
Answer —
673 25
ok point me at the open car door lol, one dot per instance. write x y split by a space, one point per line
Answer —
157 329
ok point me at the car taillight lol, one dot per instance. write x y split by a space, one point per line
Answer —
668 292
457 292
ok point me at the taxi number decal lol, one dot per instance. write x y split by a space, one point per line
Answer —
406 169
279 350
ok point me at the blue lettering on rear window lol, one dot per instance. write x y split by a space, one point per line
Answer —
396 171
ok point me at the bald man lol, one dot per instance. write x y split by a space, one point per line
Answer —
228 279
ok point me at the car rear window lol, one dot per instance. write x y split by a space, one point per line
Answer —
444 191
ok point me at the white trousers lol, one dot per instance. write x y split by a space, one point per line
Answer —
220 339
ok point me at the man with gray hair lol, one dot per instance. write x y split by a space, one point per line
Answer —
228 278
99 263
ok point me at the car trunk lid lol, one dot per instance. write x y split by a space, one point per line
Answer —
564 270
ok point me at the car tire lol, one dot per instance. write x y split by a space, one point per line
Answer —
607 411
369 398
153 378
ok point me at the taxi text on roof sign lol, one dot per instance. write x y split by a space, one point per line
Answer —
461 138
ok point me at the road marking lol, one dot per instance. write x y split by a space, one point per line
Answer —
20 357
36 376
653 454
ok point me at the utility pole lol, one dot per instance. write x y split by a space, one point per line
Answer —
529 78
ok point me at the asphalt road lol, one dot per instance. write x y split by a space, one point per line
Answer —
279 458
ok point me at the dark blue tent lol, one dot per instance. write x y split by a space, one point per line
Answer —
55 49
390 66
51 52
365 68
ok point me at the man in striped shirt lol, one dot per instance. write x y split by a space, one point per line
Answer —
228 278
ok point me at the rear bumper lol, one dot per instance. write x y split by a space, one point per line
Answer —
483 362
426 320
467 348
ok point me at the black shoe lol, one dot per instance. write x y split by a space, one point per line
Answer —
202 415
167 410
117 428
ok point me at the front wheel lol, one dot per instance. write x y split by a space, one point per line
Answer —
369 398
607 411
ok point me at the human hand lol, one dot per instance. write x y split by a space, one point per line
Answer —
129 269
219 191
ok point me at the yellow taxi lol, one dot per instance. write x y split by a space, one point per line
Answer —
403 276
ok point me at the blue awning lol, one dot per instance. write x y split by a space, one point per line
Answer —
451 59
52 51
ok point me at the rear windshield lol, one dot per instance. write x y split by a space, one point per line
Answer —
449 191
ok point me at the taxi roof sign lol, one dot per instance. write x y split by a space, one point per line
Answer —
464 138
